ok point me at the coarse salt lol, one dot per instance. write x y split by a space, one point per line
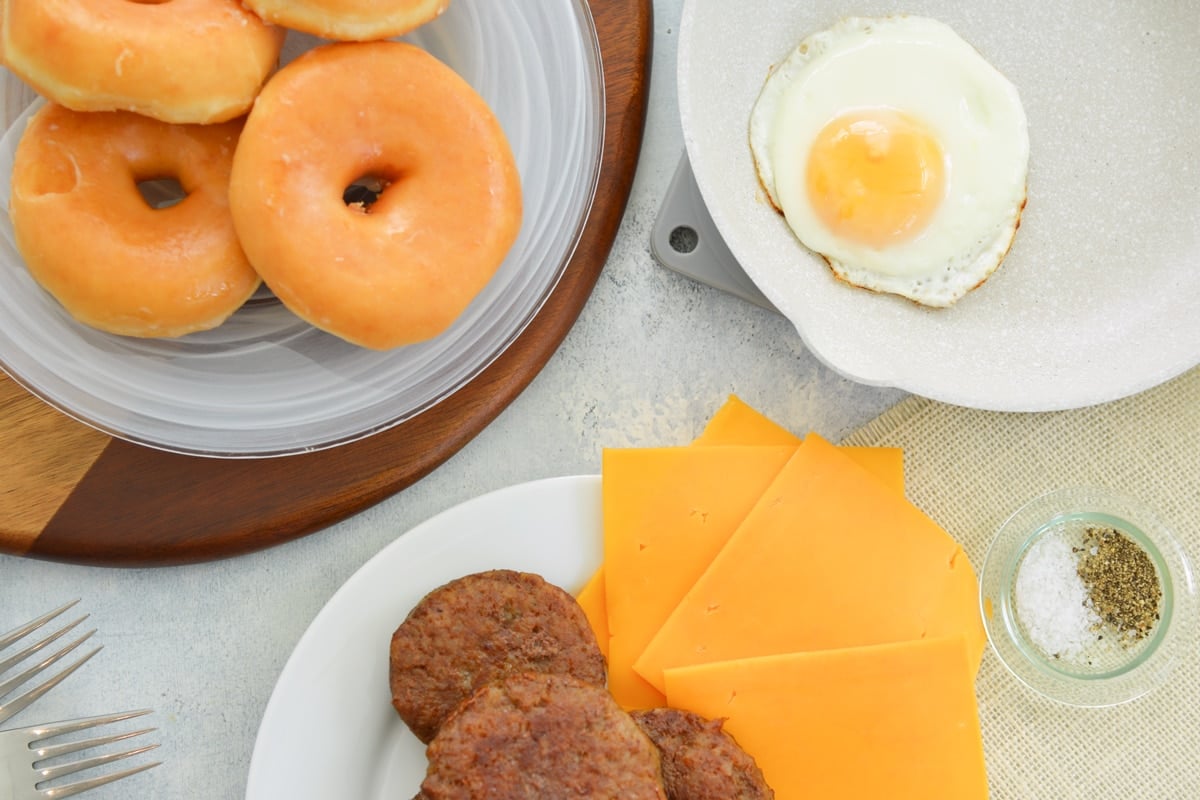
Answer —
1052 600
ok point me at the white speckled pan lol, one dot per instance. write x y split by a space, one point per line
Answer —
1099 297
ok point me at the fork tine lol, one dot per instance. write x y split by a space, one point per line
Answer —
19 679
10 637
20 656
75 788
55 750
7 710
50 773
36 733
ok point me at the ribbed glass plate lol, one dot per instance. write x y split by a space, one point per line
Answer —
266 383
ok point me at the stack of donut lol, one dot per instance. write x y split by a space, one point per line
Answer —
190 91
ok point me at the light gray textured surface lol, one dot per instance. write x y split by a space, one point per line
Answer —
651 357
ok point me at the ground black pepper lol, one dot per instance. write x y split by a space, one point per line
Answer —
1122 583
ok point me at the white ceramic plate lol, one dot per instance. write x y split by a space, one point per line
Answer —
265 383
1099 297
329 729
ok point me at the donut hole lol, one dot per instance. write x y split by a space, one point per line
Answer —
362 193
161 192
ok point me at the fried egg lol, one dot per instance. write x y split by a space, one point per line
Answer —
897 152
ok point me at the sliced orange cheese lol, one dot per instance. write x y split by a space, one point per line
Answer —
958 609
667 512
737 423
828 558
885 464
595 607
896 720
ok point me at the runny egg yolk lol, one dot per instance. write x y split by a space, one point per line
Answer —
875 177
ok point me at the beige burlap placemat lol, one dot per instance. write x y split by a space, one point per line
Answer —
969 470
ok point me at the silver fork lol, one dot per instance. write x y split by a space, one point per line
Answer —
24 770
11 638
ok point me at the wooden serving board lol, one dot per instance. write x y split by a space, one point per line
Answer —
71 493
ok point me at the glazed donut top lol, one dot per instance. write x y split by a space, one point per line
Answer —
89 238
349 20
402 269
196 61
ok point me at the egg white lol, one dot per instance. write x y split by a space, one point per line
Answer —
921 68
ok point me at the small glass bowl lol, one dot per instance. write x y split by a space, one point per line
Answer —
1050 641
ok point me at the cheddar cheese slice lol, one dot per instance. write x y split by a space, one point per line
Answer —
958 609
828 558
595 607
737 423
897 720
884 464
667 512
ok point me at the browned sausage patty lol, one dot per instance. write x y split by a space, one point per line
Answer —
700 761
479 628
537 736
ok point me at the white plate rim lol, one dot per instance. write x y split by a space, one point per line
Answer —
549 526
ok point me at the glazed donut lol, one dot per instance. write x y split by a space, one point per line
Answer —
402 269
92 241
349 20
197 61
